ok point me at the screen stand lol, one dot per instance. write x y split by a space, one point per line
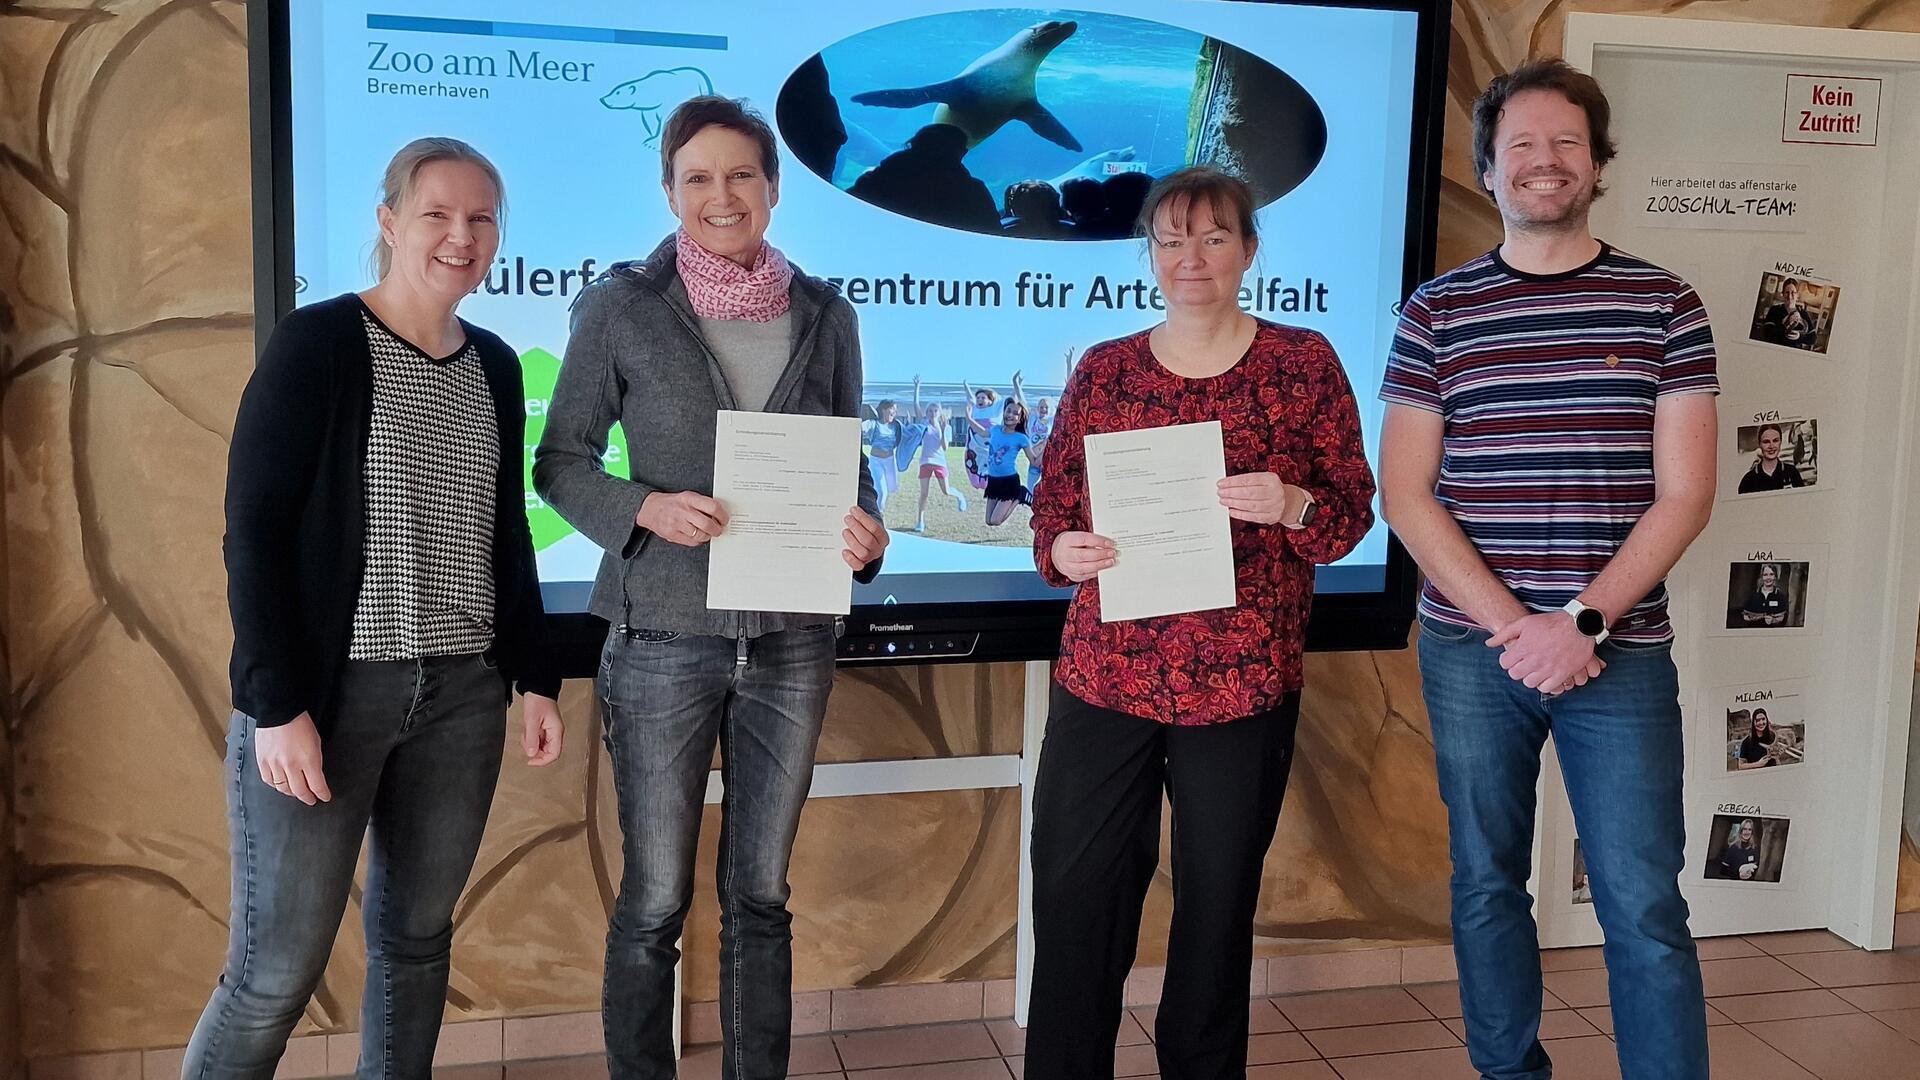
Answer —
1038 687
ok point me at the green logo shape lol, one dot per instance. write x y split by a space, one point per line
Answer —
540 370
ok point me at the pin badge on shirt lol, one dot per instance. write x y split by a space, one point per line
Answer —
1612 360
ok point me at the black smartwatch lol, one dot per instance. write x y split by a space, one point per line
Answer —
1589 621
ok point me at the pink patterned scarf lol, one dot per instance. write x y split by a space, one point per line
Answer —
721 289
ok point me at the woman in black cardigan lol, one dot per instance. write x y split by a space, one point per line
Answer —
384 600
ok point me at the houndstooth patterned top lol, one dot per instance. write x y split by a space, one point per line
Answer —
432 454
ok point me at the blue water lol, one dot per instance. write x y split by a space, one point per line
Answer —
1117 82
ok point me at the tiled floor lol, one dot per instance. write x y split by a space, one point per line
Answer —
1781 1007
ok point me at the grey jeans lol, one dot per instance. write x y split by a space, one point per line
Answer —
412 760
669 698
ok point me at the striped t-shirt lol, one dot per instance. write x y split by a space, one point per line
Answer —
1547 384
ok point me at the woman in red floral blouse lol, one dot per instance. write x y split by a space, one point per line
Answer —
1200 705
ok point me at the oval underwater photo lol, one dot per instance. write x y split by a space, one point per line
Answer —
1042 124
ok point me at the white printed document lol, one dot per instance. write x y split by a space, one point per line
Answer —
787 483
1156 495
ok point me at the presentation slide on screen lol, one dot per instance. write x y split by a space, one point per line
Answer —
967 176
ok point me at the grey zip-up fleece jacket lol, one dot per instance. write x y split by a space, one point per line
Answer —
635 355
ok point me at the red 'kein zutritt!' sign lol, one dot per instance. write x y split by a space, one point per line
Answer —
1831 110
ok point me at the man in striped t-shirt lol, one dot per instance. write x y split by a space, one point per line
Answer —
1548 456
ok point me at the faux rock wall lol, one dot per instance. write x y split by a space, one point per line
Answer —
125 303
9 945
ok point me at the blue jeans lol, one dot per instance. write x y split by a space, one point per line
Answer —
1620 745
668 699
412 760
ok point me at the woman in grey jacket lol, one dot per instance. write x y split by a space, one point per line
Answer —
714 319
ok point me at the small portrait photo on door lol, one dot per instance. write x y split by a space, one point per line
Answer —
1746 848
1582 885
1794 312
1765 736
1767 595
1775 456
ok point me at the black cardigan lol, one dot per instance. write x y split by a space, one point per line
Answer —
296 517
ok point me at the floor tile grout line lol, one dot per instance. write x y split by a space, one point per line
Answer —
1781 1050
1423 1005
1882 1023
1772 993
1006 1059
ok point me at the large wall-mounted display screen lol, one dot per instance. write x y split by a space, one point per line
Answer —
967 175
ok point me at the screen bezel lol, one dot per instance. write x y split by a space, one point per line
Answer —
1006 630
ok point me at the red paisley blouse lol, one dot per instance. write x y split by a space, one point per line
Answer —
1285 408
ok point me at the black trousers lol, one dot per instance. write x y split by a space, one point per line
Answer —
1096 843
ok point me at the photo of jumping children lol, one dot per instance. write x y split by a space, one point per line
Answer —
930 434
1005 442
983 415
1039 426
885 437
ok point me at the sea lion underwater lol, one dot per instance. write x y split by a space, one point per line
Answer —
994 89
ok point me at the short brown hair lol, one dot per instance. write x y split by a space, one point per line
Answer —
1546 73
1227 196
696 114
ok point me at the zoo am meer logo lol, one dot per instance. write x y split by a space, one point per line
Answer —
655 94
418 73
402 72
540 370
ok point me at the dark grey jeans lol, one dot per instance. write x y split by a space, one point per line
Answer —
412 760
669 698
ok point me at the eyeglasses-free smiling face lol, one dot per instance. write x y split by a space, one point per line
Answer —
1543 176
444 234
722 194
